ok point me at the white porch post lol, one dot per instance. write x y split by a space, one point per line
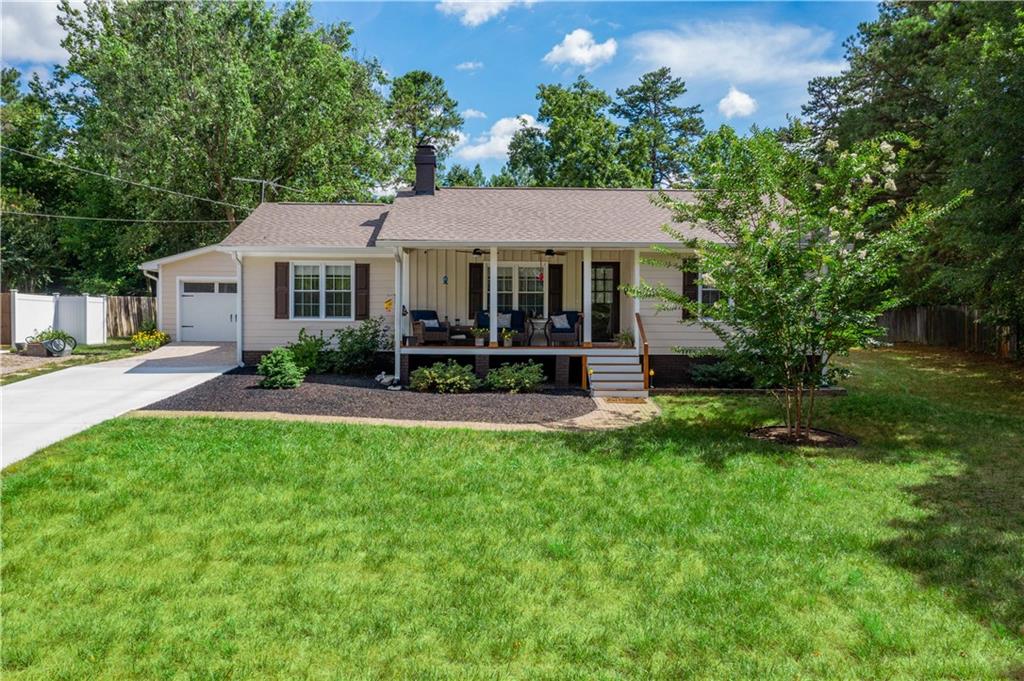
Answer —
398 311
492 295
239 292
636 301
406 297
588 285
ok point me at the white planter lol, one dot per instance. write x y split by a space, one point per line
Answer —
479 342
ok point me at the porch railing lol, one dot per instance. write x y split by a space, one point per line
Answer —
646 349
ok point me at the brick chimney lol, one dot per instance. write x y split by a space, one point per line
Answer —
426 169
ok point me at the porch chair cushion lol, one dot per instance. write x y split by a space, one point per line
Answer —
504 320
561 322
431 323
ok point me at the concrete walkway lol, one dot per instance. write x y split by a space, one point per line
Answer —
608 415
39 411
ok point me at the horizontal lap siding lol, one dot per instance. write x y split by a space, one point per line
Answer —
210 264
263 332
664 327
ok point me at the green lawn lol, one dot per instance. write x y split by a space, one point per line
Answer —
117 348
206 548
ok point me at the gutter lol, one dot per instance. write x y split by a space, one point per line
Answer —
239 337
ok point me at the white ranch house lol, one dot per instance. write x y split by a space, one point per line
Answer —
450 254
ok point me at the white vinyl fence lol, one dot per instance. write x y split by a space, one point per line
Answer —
84 317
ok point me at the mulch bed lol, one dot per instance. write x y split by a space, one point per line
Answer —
334 395
815 438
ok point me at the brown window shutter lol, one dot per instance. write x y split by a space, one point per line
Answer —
281 290
689 290
476 288
555 286
362 291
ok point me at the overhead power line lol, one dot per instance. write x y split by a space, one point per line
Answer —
121 179
86 217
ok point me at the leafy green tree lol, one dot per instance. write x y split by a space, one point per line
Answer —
420 105
29 250
797 276
659 132
952 76
189 96
503 178
461 176
580 146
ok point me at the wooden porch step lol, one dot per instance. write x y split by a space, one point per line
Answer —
617 385
604 377
620 393
630 358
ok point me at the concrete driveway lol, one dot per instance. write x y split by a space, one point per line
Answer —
39 411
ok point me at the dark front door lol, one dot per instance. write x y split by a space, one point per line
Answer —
604 300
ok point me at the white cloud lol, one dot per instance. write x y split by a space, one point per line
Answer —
31 33
494 143
473 113
476 12
737 103
580 49
749 52
469 66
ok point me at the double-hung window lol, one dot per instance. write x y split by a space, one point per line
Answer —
322 291
520 287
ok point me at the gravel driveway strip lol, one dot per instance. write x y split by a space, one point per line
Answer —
333 395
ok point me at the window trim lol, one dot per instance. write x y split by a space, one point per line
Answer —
322 265
515 265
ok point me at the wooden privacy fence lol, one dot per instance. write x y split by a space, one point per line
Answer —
953 326
127 314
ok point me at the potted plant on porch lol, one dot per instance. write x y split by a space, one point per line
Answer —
479 333
506 337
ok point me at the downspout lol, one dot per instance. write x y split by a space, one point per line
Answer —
238 309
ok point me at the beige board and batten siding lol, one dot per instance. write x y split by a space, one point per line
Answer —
209 264
665 328
263 332
428 267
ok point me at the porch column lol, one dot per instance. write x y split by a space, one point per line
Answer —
492 295
398 311
636 301
406 298
588 285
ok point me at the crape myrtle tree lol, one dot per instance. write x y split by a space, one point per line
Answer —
801 278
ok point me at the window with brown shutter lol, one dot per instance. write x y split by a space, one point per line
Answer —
281 272
689 290
362 291
555 285
476 288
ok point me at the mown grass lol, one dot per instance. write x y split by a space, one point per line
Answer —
205 548
117 348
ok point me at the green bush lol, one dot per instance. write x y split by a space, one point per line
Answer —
515 378
356 347
722 374
280 370
144 341
310 352
444 377
54 334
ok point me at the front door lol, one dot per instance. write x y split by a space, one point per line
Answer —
604 300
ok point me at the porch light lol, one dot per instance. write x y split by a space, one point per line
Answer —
477 252
550 252
444 280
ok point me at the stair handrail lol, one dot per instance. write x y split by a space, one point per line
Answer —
647 351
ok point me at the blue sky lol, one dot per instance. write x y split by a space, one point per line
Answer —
744 63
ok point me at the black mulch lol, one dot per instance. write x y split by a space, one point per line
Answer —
333 395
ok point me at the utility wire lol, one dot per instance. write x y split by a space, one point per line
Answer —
120 179
84 217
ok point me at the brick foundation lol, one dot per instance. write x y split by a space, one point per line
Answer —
253 357
562 371
404 369
481 364
674 370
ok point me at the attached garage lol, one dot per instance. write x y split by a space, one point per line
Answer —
207 309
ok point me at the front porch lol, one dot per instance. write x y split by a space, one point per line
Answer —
460 286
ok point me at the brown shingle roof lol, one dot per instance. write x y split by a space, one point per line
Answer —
330 225
532 215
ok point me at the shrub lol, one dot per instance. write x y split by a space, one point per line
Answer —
148 325
310 352
722 374
444 377
280 370
356 347
54 334
515 378
144 341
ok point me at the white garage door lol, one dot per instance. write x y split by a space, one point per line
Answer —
208 310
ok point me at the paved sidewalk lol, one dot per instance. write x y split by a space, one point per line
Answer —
39 411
